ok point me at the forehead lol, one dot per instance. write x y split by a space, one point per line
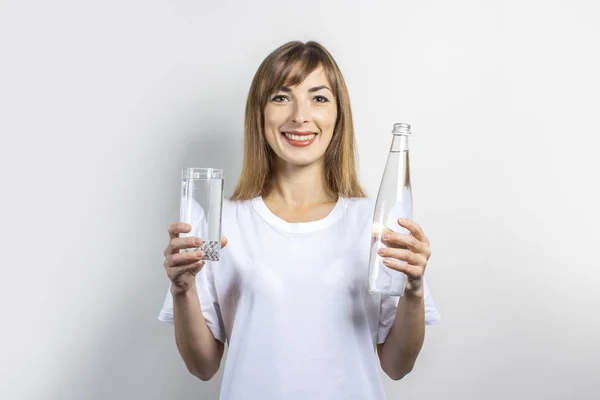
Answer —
315 77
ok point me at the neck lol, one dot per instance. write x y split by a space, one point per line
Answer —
300 186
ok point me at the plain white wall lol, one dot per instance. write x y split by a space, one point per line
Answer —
102 103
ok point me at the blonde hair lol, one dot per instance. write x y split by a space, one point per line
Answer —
291 63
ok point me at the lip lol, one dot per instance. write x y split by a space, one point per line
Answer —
298 143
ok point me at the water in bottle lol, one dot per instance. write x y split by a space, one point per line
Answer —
394 201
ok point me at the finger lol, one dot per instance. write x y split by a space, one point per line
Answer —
223 241
175 272
179 259
402 255
414 228
187 243
178 227
402 241
412 271
378 231
191 243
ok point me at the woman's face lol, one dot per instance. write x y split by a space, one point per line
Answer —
299 120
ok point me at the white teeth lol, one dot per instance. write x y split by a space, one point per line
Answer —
299 138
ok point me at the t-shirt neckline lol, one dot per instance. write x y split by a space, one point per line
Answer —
298 227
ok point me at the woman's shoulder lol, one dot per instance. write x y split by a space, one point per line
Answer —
231 208
358 213
359 208
360 203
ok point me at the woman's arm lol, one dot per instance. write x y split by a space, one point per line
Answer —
402 346
201 352
408 254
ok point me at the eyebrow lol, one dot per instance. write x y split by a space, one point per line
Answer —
313 89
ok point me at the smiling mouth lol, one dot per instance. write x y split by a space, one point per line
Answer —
299 138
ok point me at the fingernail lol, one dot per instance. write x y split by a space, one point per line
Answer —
197 242
199 254
387 236
380 251
402 220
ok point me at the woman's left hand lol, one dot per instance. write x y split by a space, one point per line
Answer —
407 253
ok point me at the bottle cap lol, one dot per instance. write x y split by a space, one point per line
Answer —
401 129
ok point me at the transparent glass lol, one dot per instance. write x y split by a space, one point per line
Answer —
394 201
202 207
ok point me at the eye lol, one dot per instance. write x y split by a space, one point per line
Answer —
321 99
279 96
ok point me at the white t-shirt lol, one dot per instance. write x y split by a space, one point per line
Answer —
292 302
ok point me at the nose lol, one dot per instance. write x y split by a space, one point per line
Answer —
300 113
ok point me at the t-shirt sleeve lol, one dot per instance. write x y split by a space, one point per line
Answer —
205 284
389 305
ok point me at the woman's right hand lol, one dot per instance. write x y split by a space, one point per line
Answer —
182 268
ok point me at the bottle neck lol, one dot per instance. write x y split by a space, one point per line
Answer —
399 143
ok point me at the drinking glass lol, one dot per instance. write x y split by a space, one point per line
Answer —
201 207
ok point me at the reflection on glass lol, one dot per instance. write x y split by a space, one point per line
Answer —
394 201
201 206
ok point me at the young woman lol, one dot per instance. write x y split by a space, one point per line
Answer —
289 294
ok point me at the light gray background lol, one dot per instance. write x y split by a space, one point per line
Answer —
102 103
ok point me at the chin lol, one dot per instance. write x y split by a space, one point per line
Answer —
300 161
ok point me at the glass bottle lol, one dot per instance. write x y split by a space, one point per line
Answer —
394 201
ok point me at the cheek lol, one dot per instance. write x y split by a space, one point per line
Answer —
326 118
274 118
270 126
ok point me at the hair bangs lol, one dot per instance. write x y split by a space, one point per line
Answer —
293 68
